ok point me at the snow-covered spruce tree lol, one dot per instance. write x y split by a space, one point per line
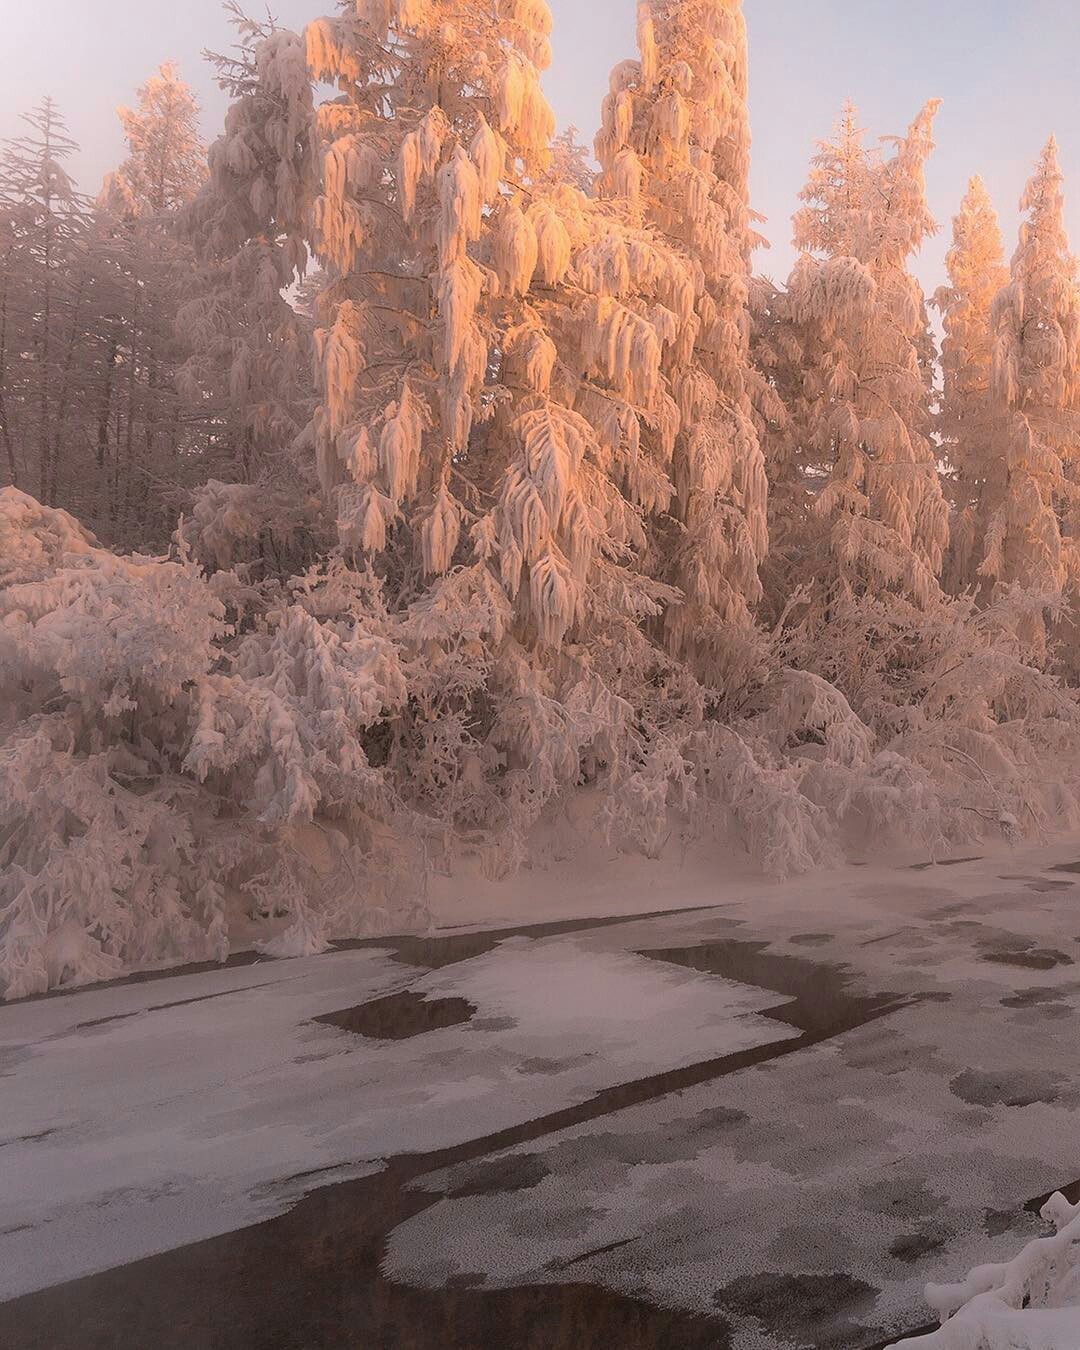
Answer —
571 161
970 425
863 414
250 345
1036 385
785 344
158 776
674 145
166 158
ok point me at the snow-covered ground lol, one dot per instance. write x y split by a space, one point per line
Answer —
786 1108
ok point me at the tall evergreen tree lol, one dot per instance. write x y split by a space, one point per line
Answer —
250 346
1036 383
969 425
860 336
675 142
166 157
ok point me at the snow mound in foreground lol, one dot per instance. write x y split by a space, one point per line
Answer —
1029 1303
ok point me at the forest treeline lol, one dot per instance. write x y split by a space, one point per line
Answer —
387 477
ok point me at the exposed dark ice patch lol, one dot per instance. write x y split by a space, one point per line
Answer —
812 1312
1034 958
1066 867
312 1279
1033 996
1018 1087
1042 883
912 1247
903 1198
999 1221
499 1176
396 1017
822 1001
493 1024
545 1066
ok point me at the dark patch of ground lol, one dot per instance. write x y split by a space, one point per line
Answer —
396 1017
1010 949
1037 958
912 1247
1034 996
822 1001
998 1221
496 1176
903 1199
812 1312
1019 1087
942 862
1043 884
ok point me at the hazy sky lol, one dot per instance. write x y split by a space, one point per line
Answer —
1007 70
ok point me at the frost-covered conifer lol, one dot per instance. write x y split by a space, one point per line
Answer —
674 145
251 352
1036 385
970 425
166 157
861 409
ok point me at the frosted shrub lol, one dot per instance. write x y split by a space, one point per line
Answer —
100 868
148 763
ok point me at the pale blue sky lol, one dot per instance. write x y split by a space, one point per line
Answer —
1007 70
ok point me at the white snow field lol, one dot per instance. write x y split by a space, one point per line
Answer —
785 1108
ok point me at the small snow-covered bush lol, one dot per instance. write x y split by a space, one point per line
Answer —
1029 1303
968 735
